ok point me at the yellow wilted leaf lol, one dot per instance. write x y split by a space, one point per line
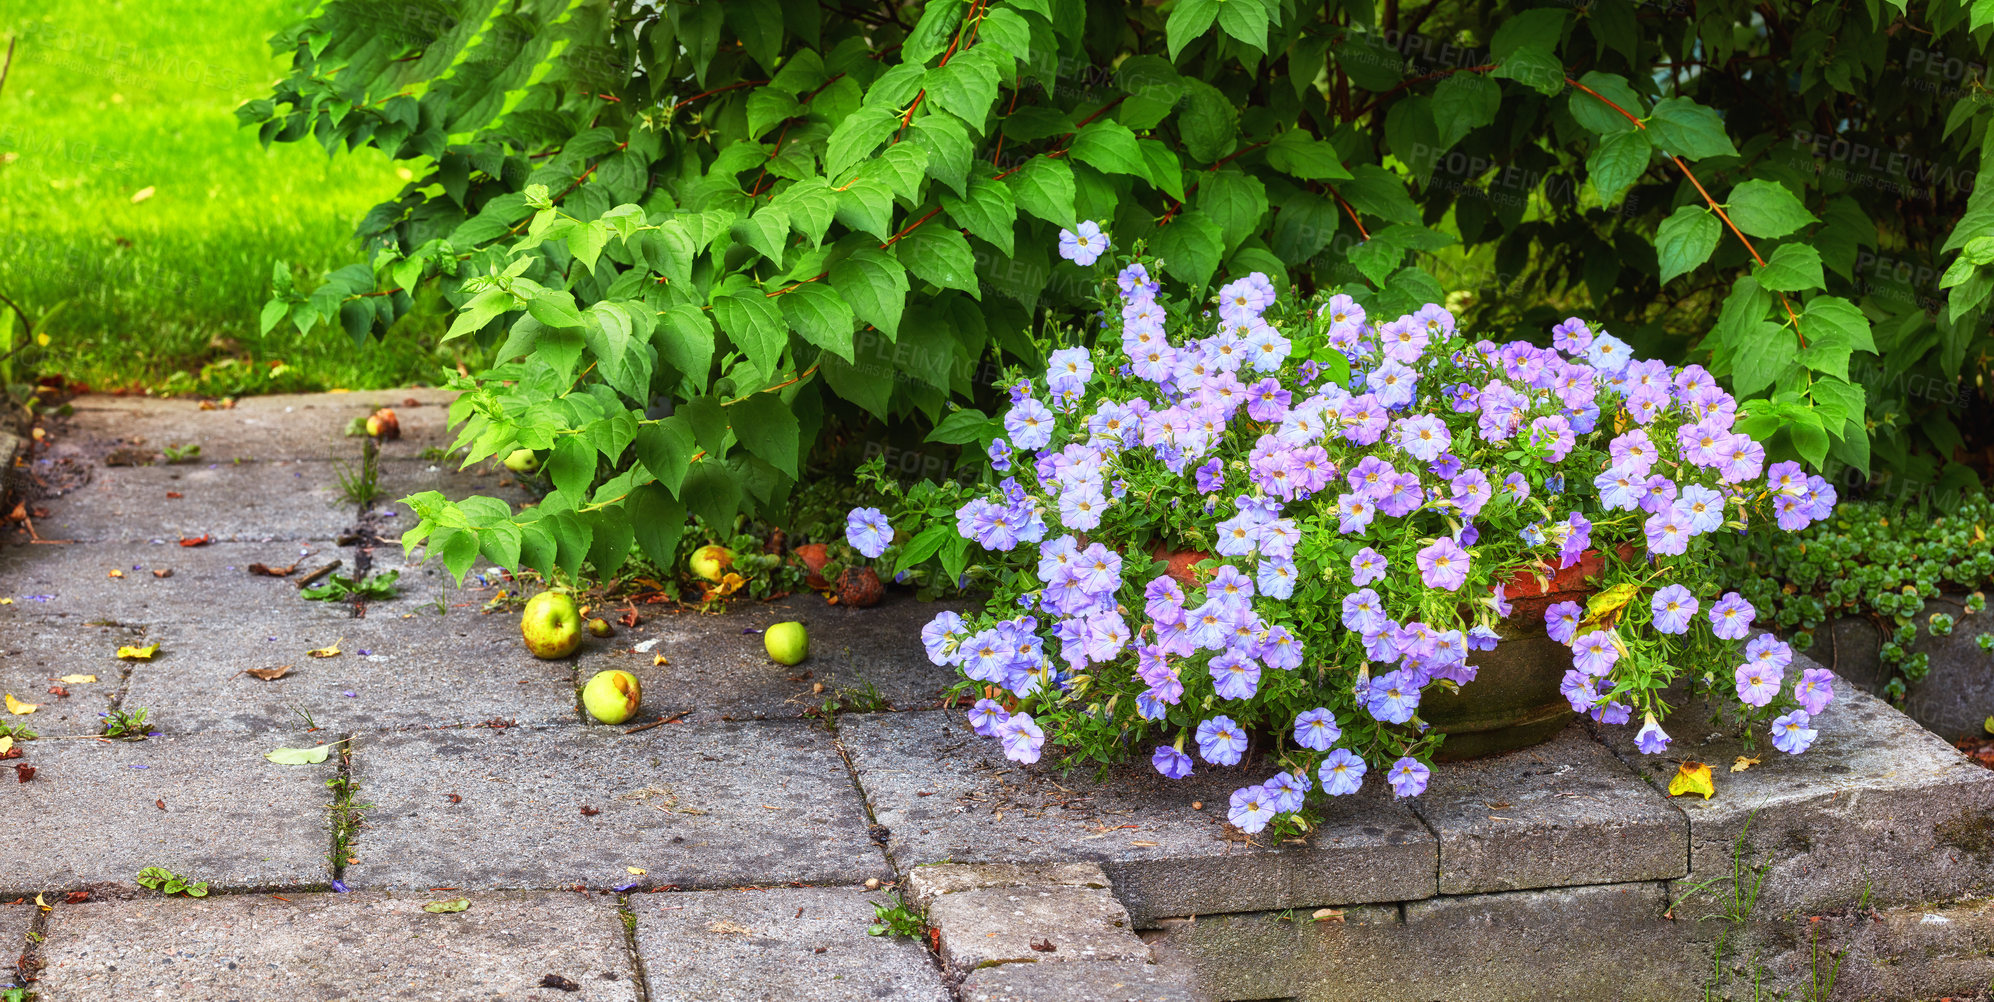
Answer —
6 601
1693 777
636 871
139 653
116 573
6 744
16 706
79 679
143 193
1744 762
326 652
1603 608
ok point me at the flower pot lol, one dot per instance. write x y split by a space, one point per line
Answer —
1514 700
1183 564
812 557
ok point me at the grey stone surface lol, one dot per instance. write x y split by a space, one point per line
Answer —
805 944
282 426
336 947
719 805
947 794
1956 695
1095 982
36 652
210 585
1877 803
1008 925
923 884
1562 813
1900 953
283 500
1600 942
392 673
15 923
92 816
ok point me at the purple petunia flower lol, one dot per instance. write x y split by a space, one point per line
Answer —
1220 741
1443 564
1731 617
1673 607
1316 729
1408 777
1367 565
1252 807
868 531
1791 734
1815 690
1084 244
1757 685
987 716
1595 653
1651 739
1022 738
1170 762
1341 773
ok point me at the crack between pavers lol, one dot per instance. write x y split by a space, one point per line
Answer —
28 966
344 826
639 977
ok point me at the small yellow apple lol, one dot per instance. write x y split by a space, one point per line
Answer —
599 627
787 643
550 625
522 461
711 561
611 696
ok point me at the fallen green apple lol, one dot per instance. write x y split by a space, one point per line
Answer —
599 627
611 696
787 643
711 561
551 625
523 461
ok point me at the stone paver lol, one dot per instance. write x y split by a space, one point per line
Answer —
344 947
210 586
778 945
1008 925
463 668
719 805
282 426
15 923
1878 803
1559 814
924 884
283 500
947 794
1097 982
35 653
92 816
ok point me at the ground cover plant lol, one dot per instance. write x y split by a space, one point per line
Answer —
702 239
1364 498
138 228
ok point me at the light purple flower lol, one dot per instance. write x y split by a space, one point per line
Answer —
1084 245
868 531
1651 739
1731 617
1673 607
1791 734
1029 423
1408 777
1394 697
1815 690
1235 675
1561 621
1443 564
1367 565
1022 738
1595 653
1220 741
986 716
1252 807
1768 651
1341 773
1170 762
1316 729
1757 685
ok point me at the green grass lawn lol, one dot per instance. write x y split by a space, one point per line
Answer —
108 101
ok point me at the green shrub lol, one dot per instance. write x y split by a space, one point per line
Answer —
698 235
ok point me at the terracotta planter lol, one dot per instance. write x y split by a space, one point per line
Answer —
812 557
1182 565
1514 700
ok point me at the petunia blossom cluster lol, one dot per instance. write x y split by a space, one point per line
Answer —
1363 500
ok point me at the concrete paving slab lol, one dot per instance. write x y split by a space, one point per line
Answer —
209 585
91 816
722 805
15 923
1562 813
258 948
35 654
1024 925
805 944
948 795
1878 807
283 500
1094 982
392 673
284 426
924 884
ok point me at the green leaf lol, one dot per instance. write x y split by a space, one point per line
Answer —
966 87
1208 122
1188 20
712 492
1044 188
768 107
1596 114
1109 147
948 147
1165 173
684 337
939 255
866 204
479 312
658 520
924 545
1298 154
298 756
665 449
1762 357
1542 28
755 326
1461 103
965 426
1685 240
1765 208
555 308
765 231
1792 268
820 316
1687 129
987 210
1620 160
1245 20
1369 60
931 34
1191 246
1535 68
856 137
876 287
768 428
1235 200
1833 319
571 465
